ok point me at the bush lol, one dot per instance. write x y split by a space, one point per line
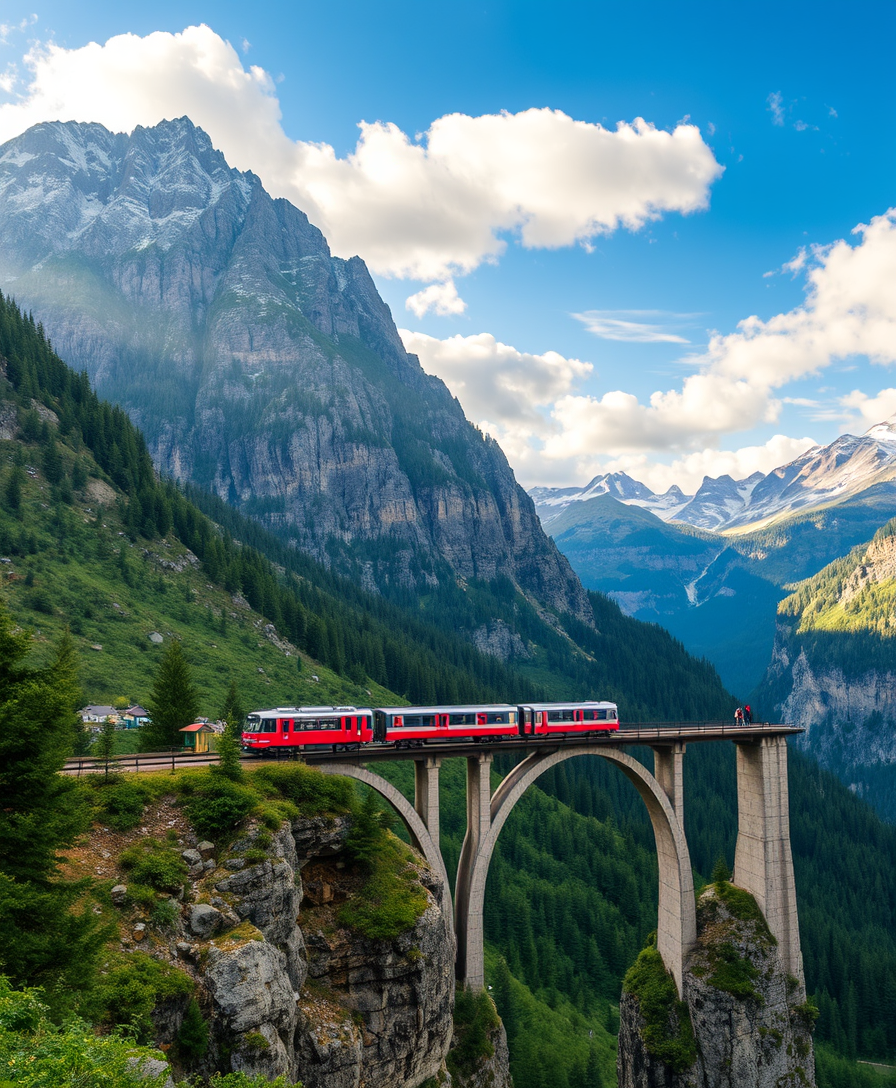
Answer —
130 987
217 805
309 789
475 1018
121 804
192 1039
155 864
35 1052
668 1033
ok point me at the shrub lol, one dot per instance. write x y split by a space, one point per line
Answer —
217 805
121 804
164 914
34 1051
668 1033
131 986
309 789
155 864
475 1018
192 1038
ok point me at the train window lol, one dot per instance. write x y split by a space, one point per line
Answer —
253 724
461 719
328 723
600 716
268 725
418 721
561 715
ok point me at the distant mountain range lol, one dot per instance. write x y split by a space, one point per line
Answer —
822 475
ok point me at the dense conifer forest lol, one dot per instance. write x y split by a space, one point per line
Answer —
573 885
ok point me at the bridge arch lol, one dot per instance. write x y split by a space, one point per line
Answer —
677 922
417 830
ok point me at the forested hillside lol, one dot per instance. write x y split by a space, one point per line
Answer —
572 892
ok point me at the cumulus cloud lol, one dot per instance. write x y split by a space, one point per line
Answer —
557 433
441 298
426 208
850 310
498 385
689 470
775 106
871 410
620 325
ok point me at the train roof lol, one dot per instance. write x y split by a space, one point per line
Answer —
570 705
471 709
286 711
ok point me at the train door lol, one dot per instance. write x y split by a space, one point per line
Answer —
379 725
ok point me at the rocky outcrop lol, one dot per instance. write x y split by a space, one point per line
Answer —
257 364
743 1023
831 671
299 994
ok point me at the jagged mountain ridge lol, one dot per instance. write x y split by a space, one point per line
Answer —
823 475
257 364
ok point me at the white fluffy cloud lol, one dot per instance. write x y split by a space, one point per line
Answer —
563 435
425 208
498 386
441 298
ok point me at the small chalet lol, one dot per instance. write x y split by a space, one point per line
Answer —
93 714
134 717
196 736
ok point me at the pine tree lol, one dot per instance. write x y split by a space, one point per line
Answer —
229 747
174 702
42 941
105 743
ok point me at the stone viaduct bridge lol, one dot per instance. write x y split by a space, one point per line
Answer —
762 864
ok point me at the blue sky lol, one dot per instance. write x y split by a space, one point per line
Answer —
783 118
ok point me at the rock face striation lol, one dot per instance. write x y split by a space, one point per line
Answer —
287 991
257 364
743 1023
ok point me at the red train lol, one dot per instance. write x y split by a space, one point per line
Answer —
349 727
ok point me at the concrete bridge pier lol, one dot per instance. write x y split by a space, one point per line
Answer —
668 769
763 863
469 888
426 794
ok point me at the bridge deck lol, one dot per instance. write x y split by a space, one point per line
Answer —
637 733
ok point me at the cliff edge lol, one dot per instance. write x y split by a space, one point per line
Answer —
743 1023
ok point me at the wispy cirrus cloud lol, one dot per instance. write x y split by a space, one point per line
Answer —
630 327
775 106
8 29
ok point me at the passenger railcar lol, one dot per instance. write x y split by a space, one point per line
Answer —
348 727
343 727
539 719
411 726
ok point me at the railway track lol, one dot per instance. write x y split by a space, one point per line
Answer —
640 733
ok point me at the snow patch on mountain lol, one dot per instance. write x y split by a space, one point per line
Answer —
822 475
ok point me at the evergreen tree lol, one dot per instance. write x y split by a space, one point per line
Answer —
105 743
229 746
42 941
174 702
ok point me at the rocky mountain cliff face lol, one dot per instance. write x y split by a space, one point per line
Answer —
833 670
257 364
743 1023
285 989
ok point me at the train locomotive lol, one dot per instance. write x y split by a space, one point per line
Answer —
347 728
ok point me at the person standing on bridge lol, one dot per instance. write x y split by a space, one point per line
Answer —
748 714
739 716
